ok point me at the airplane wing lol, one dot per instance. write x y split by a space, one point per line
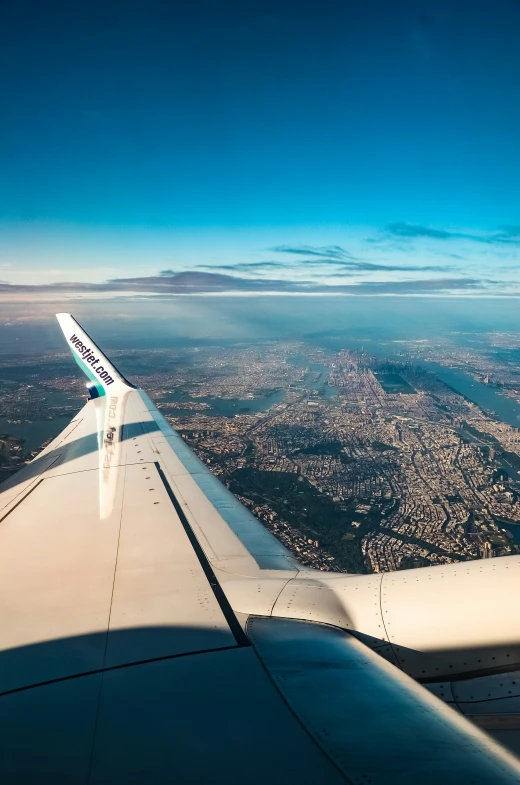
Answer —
153 631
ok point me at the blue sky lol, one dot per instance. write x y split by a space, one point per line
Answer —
336 144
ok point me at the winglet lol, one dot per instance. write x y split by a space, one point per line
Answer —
102 375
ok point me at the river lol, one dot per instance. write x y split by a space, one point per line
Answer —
486 397
35 432
513 529
229 407
328 392
505 409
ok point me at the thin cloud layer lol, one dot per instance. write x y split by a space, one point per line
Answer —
507 235
322 252
194 282
336 256
243 267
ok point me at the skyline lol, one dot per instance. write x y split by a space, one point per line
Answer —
292 147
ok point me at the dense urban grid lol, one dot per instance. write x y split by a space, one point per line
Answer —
355 462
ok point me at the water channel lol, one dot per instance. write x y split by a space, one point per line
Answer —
488 398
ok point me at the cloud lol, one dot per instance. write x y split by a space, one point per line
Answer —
195 282
242 266
336 256
422 287
389 268
414 230
323 252
402 268
507 235
346 267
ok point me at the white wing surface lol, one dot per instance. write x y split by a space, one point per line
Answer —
152 630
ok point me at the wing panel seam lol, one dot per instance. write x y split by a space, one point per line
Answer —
24 497
234 625
114 668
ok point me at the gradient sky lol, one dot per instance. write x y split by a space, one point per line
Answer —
252 138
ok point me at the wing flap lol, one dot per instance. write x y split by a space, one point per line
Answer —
371 719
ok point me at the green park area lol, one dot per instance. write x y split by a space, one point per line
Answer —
338 526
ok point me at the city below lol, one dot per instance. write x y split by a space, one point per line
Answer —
357 459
